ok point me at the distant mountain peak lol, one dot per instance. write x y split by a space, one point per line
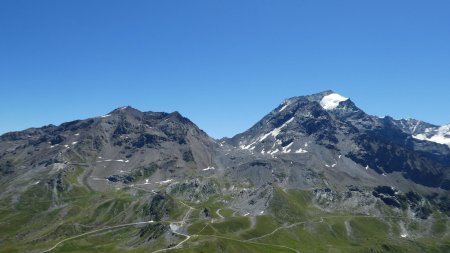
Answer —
124 109
439 135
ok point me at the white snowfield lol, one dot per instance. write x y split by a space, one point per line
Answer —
286 104
272 152
286 148
441 135
165 181
277 130
301 151
330 102
209 168
403 231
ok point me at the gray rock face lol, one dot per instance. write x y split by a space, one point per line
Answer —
412 126
317 142
122 146
330 134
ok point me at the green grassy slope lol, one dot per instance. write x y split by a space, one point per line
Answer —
86 221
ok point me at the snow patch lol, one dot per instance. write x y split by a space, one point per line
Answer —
301 151
330 102
249 146
105 116
165 181
209 168
286 148
276 131
403 231
286 104
441 135
272 152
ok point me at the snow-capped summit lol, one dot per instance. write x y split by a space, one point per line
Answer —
322 126
331 101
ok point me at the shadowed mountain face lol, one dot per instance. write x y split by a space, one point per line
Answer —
317 154
305 125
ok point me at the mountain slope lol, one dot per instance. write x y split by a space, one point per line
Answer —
303 125
109 145
315 174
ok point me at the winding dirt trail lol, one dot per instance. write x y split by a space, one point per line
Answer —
218 213
284 227
96 231
250 242
187 237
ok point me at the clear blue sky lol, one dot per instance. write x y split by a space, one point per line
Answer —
223 64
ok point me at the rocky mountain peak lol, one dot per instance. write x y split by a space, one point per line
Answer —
329 123
329 101
126 110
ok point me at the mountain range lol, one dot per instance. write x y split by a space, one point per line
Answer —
316 174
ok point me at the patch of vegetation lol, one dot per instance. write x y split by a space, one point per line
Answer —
292 205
